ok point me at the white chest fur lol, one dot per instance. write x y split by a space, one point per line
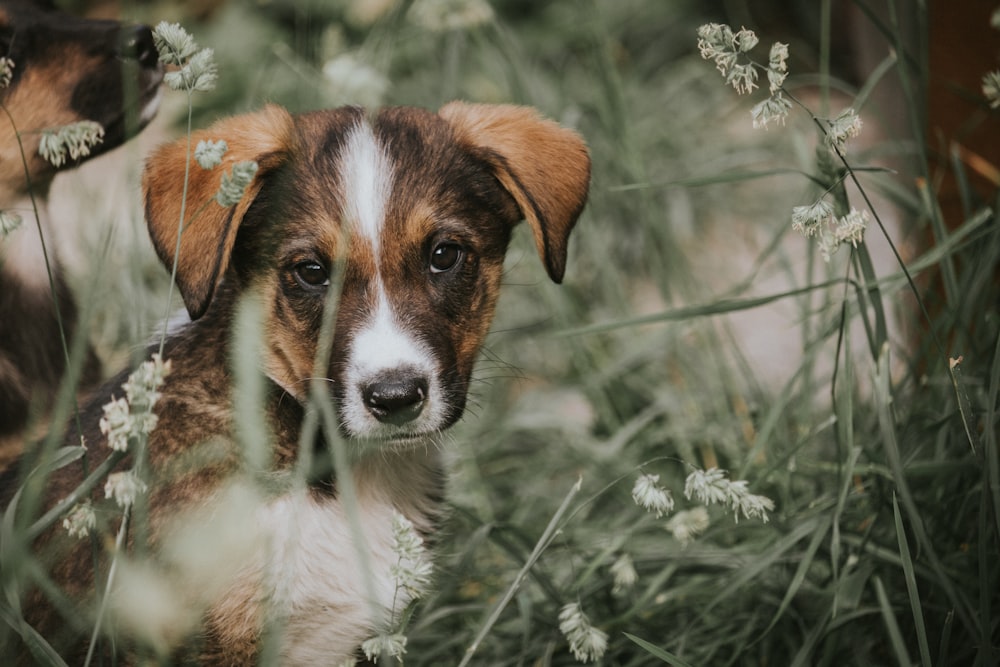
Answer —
320 575
328 590
302 570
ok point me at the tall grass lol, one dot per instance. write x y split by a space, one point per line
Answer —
873 427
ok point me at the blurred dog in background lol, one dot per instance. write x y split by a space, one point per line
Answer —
63 70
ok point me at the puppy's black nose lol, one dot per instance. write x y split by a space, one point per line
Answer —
395 398
136 43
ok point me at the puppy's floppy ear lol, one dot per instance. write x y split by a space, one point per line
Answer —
545 167
209 229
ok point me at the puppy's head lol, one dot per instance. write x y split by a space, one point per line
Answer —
67 69
407 212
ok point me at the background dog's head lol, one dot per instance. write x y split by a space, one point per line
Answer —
68 69
407 212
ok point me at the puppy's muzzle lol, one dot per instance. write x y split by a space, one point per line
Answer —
396 397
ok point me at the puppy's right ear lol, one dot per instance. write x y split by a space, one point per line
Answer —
208 230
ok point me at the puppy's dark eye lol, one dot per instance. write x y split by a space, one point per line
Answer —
445 257
311 274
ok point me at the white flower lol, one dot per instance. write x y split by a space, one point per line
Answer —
585 641
711 487
715 40
817 220
143 383
708 486
687 524
750 505
774 108
845 126
743 78
173 43
6 71
384 645
809 220
991 88
412 571
198 71
446 15
719 43
777 67
625 576
209 153
116 424
234 183
851 227
648 494
80 520
9 221
199 74
132 416
745 40
124 487
76 139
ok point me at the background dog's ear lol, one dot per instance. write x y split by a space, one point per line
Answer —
209 230
545 167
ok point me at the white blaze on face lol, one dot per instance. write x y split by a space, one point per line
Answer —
382 343
367 174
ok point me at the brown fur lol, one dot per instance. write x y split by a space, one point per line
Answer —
467 175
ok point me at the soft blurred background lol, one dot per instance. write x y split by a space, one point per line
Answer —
694 329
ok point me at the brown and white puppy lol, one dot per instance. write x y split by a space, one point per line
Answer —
406 212
65 70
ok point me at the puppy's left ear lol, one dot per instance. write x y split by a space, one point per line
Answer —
545 168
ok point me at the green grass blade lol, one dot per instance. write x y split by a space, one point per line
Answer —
895 636
804 656
964 405
873 295
720 307
754 569
822 527
987 586
887 427
990 437
944 645
543 543
660 653
40 649
949 277
911 586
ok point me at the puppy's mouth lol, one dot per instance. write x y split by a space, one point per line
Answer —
395 444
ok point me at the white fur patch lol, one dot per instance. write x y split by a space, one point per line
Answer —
317 584
321 591
383 345
366 173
